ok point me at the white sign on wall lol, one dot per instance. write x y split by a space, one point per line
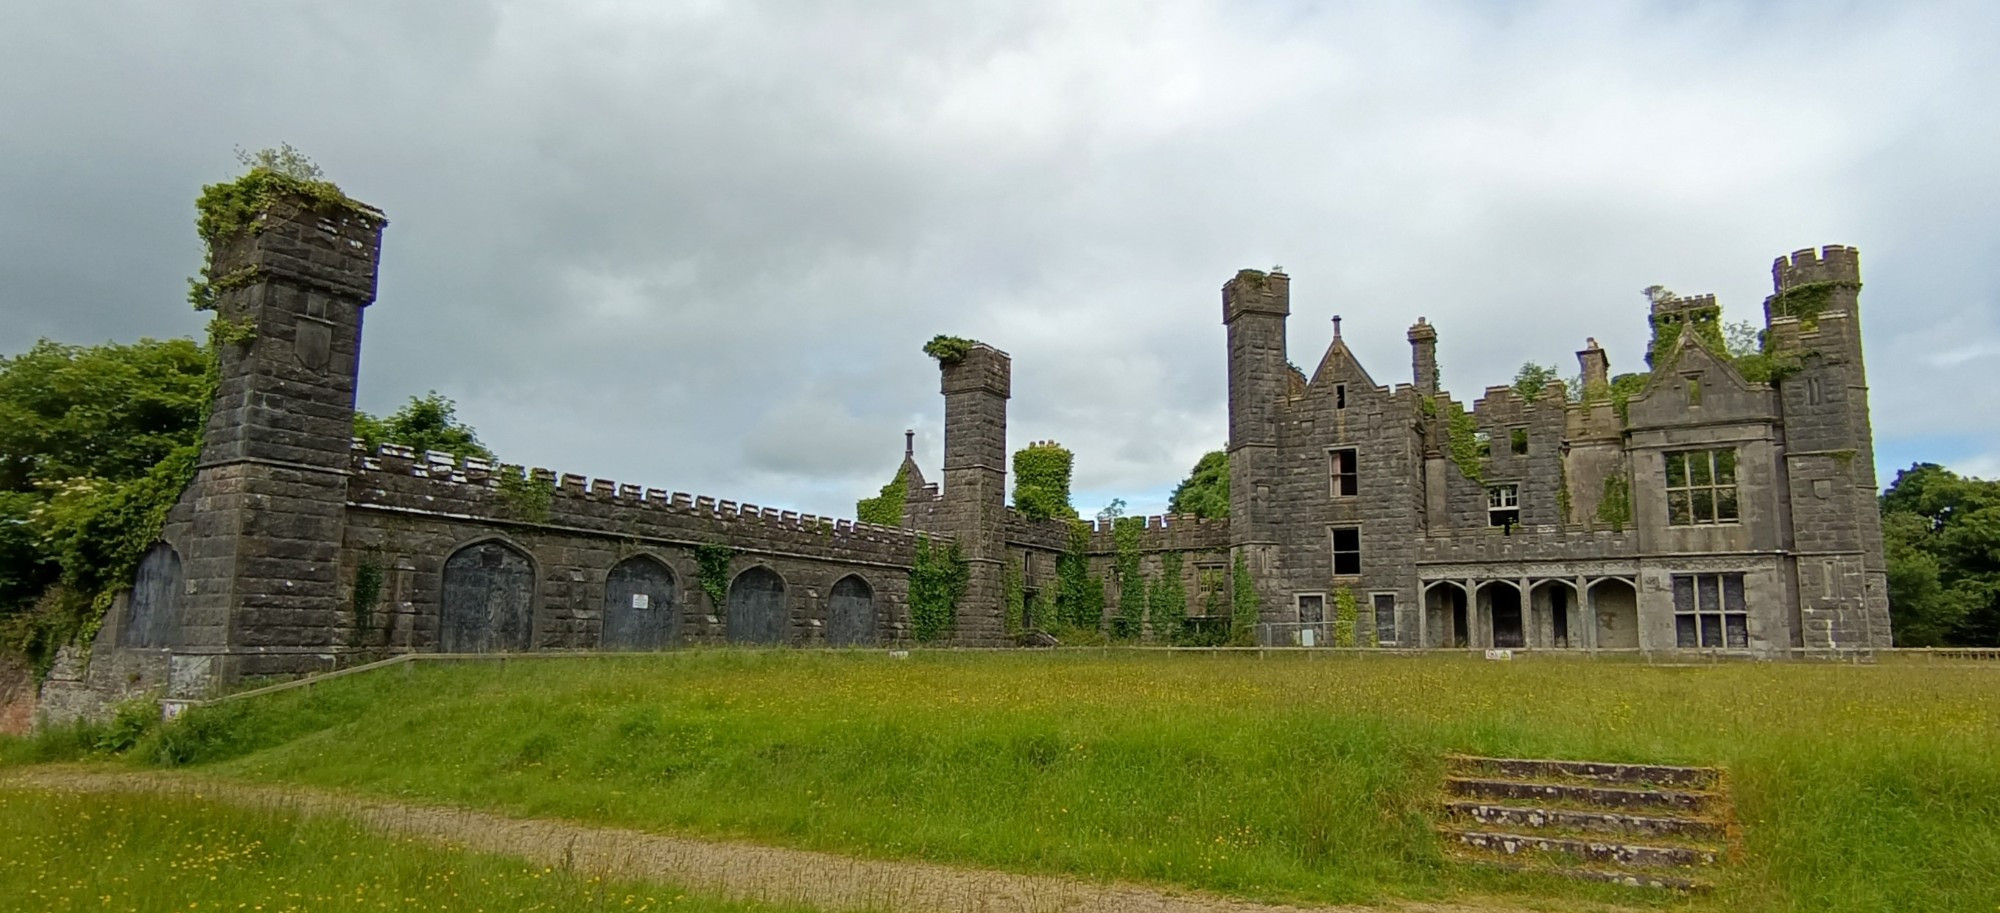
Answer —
641 601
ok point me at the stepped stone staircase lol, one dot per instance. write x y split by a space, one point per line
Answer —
1631 824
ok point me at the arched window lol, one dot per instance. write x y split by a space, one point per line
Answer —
640 611
153 614
488 601
850 614
756 609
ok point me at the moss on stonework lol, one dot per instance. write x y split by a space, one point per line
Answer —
229 209
886 508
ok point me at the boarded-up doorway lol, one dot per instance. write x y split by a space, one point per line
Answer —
757 607
153 612
488 600
640 611
1504 606
850 614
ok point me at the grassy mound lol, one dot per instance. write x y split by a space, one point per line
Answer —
159 853
1299 777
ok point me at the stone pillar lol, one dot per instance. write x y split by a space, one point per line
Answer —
1255 306
1596 367
265 514
976 389
1423 357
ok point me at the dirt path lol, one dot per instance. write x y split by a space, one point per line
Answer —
736 870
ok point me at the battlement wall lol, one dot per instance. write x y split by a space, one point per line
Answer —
398 478
1832 263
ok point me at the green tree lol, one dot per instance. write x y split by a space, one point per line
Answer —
425 423
1205 492
1533 379
1941 533
1041 481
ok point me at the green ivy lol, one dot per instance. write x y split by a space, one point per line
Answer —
938 579
1623 388
1563 505
1615 507
226 210
1346 611
1166 600
886 508
1079 601
526 497
1126 533
1243 613
711 562
1467 451
1041 481
1013 599
367 593
1669 325
1807 301
948 350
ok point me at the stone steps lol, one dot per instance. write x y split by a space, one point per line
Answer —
1641 825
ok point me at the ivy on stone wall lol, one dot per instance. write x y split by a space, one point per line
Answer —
938 580
1808 300
1623 388
226 210
1041 481
526 497
367 592
1346 610
1079 601
1013 600
1244 612
1131 621
1466 448
1563 506
1166 600
711 564
886 508
948 350
1615 507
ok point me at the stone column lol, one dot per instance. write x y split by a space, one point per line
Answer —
976 389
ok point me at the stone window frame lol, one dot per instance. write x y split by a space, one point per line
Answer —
1716 616
1693 390
1498 508
1299 607
1339 396
1337 480
1706 479
1517 440
1375 605
1336 553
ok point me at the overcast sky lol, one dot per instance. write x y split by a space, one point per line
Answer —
698 245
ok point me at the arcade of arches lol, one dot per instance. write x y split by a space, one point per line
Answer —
1595 613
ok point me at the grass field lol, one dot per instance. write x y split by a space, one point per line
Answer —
1291 777
157 853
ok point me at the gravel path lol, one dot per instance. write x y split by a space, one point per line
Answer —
736 870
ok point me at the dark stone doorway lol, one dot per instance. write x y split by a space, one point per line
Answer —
489 599
1506 603
757 608
850 614
640 611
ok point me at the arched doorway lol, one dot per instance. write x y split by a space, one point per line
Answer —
850 614
1553 615
1445 620
153 612
488 600
757 607
1503 614
1616 605
640 611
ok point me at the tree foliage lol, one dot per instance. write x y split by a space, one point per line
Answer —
1942 536
1533 380
1205 492
425 423
1041 481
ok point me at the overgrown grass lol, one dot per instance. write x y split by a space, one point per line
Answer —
1304 777
160 853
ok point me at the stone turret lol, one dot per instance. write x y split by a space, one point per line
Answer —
1255 306
976 388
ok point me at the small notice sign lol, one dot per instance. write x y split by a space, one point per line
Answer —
1500 654
641 601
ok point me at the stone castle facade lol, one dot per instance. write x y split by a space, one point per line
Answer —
1751 522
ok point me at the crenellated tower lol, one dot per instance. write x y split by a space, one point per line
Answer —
976 387
1813 326
260 528
1255 306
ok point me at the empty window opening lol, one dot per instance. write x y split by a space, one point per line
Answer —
1385 619
1694 391
1312 608
1503 506
1339 396
1559 616
1346 481
1701 487
1483 443
1517 441
1709 611
1347 551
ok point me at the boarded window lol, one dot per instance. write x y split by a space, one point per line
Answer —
757 607
639 606
1701 487
488 600
1312 608
1709 611
1347 551
1385 618
850 614
1346 482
